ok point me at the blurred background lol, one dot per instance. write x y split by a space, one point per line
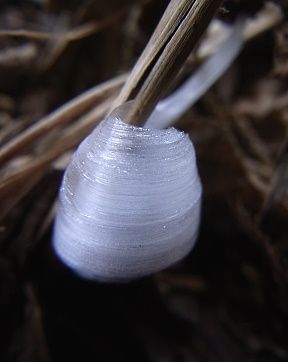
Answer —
228 300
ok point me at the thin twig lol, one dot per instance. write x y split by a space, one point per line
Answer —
19 182
163 32
62 115
78 33
177 34
31 172
67 141
266 20
70 35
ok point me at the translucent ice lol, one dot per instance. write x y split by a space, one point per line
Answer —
129 202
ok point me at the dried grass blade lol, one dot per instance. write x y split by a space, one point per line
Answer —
77 33
175 12
62 115
35 169
172 57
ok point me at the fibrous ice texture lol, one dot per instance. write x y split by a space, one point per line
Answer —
129 202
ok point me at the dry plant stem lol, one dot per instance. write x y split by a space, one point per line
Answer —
72 136
11 187
17 191
71 35
79 32
74 107
175 47
258 169
19 55
267 19
62 115
278 182
171 19
17 184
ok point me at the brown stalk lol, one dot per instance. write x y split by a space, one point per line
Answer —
11 187
77 33
70 35
62 115
266 20
177 34
163 32
73 134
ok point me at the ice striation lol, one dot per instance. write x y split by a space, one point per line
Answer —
129 204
